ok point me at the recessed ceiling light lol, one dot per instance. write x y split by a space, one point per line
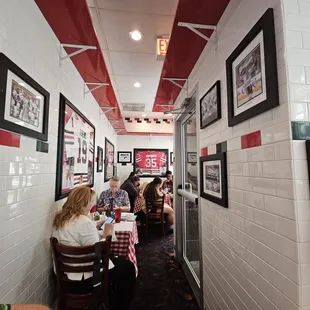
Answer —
135 35
143 115
169 114
137 84
21 84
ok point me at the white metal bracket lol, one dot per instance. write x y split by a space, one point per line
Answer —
195 27
173 81
97 85
108 109
79 49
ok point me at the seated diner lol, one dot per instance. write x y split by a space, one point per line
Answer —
153 197
73 227
114 198
132 189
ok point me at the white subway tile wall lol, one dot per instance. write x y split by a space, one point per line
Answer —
297 23
27 177
256 253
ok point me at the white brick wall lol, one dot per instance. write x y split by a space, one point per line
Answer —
256 253
27 178
297 36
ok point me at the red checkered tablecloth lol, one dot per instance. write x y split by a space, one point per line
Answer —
127 236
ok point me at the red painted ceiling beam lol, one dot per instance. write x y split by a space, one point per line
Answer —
185 46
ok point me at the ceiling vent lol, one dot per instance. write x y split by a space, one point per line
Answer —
134 107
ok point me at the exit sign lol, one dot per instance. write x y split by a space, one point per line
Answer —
162 46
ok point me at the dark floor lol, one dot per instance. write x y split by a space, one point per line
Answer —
161 283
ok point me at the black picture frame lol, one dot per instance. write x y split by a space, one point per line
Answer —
128 154
7 67
99 159
222 163
269 70
108 165
217 114
308 157
148 150
189 156
63 103
115 170
171 158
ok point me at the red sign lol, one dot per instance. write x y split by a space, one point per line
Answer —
162 46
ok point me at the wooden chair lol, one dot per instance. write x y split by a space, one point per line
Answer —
97 256
155 215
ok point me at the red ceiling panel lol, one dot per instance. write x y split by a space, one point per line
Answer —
185 46
71 22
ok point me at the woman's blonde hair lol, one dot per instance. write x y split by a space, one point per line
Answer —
77 201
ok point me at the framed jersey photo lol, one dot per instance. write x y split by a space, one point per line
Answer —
108 160
75 155
151 162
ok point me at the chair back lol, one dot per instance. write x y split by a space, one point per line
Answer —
93 258
152 210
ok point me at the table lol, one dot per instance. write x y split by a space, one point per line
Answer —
127 236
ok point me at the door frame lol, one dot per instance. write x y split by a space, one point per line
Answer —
179 180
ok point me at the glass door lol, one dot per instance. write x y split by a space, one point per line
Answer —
187 215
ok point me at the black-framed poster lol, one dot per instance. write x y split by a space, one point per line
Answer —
252 79
24 107
99 159
151 162
191 157
108 160
124 157
213 179
210 106
171 158
75 153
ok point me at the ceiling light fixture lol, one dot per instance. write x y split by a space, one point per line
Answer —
21 84
135 35
137 84
169 114
144 115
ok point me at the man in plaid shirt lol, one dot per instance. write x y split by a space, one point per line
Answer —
114 198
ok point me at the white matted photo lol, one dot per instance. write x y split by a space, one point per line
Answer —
251 69
210 106
124 157
25 103
213 178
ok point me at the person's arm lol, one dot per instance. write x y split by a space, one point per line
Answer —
126 203
88 234
100 204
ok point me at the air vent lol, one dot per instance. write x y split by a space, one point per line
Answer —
134 107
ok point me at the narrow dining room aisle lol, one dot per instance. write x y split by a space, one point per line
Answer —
161 283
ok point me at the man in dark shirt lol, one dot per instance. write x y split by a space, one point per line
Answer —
132 188
168 183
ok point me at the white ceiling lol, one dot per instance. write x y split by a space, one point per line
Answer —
128 61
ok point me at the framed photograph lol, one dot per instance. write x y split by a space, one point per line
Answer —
171 158
108 160
151 162
252 83
99 159
191 157
124 157
115 170
24 104
75 153
213 179
210 106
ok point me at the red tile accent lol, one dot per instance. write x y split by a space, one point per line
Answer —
155 119
129 121
204 151
9 139
149 122
137 118
252 139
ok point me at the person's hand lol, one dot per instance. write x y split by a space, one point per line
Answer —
108 229
117 207
99 223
